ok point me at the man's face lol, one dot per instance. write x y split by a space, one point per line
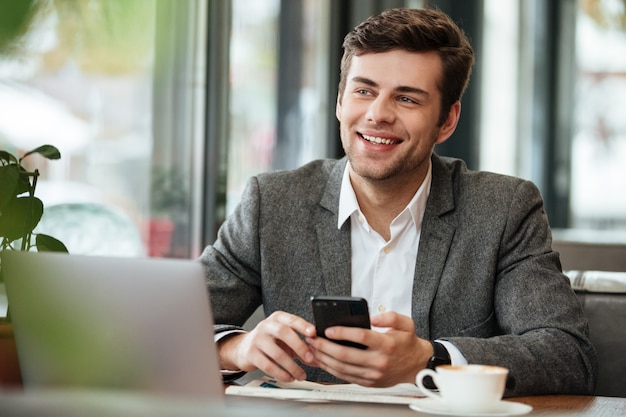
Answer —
388 114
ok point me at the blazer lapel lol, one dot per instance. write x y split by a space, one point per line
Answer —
435 240
334 244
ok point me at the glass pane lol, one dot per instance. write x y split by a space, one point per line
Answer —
79 74
500 74
599 145
253 68
254 91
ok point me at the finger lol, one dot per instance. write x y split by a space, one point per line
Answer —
260 349
277 361
346 363
287 328
281 368
351 334
394 321
330 349
296 323
271 368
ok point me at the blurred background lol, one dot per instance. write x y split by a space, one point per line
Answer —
162 109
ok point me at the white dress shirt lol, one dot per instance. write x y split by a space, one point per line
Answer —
383 271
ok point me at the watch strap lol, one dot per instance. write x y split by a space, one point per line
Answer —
441 356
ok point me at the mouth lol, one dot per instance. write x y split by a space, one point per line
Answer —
377 140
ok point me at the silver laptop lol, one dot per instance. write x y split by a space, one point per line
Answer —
92 322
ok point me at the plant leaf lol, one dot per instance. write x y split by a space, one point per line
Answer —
8 157
47 151
20 217
47 243
25 184
9 177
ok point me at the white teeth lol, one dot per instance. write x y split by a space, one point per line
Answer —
378 140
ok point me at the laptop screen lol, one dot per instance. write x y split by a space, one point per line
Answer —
112 323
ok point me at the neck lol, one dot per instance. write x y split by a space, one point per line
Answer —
382 201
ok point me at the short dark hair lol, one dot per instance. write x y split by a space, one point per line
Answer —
416 30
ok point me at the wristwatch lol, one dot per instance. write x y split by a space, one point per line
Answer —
440 357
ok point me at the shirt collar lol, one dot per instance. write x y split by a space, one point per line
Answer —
348 203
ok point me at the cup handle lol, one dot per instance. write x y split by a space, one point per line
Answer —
419 379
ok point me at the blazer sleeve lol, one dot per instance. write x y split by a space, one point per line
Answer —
542 335
232 264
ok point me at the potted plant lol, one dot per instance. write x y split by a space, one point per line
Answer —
169 209
20 212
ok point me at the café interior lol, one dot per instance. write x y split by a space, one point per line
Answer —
162 110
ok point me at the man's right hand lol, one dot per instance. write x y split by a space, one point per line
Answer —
271 347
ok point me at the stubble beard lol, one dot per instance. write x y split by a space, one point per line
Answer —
375 171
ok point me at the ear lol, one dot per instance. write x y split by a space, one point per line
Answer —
338 107
449 125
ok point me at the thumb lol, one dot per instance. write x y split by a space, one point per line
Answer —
393 320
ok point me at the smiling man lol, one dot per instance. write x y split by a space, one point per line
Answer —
456 265
389 126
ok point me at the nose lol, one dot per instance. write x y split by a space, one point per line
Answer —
380 110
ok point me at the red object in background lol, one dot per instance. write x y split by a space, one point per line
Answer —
160 237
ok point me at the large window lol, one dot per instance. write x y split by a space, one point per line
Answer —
553 94
147 109
599 135
108 82
279 101
163 109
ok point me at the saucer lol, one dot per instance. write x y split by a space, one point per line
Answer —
503 408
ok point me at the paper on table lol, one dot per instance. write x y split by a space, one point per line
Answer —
312 391
597 281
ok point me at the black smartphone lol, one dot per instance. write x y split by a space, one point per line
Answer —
331 311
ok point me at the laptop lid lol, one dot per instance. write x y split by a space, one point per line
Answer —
100 322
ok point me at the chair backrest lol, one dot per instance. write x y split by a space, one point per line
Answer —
598 275
591 256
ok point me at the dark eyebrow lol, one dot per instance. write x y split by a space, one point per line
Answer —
400 89
414 90
364 80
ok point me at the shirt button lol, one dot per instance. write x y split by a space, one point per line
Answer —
381 308
361 218
386 249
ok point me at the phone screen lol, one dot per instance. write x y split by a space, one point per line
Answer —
331 311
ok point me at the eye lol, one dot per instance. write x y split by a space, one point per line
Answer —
362 91
407 100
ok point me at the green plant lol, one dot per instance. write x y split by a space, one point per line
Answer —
169 195
20 210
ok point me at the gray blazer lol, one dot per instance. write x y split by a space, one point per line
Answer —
486 278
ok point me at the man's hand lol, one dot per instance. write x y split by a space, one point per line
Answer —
392 357
271 347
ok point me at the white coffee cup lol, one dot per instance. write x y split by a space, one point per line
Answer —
466 388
